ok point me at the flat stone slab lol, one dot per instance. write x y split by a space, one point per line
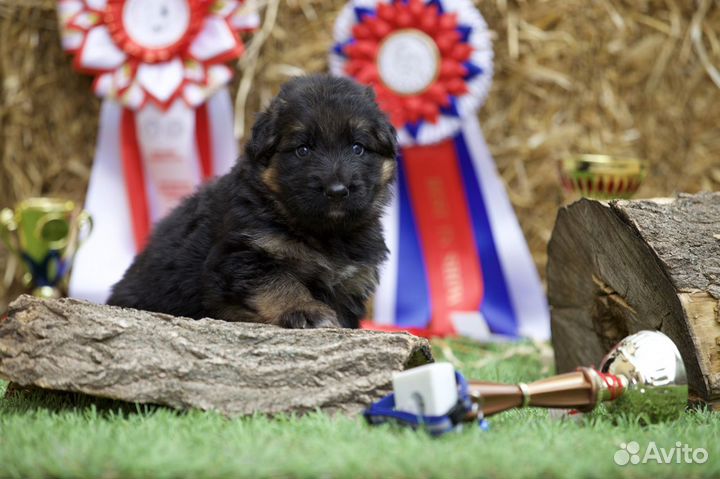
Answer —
234 368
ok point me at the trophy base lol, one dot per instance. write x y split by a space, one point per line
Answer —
47 292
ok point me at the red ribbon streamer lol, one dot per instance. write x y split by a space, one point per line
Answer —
204 142
445 229
134 179
134 171
614 385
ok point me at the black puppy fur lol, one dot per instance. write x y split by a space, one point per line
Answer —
292 235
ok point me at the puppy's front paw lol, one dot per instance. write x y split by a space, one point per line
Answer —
309 316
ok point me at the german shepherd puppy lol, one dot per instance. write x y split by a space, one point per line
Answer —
292 235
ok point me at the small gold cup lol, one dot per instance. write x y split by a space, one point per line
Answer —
45 233
602 176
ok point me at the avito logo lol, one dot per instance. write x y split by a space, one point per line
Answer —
629 453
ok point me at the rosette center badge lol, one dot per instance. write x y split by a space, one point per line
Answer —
429 62
155 24
408 62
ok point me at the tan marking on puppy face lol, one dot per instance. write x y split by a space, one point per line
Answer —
269 177
360 124
296 127
388 171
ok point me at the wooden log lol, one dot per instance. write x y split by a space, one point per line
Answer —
619 267
234 368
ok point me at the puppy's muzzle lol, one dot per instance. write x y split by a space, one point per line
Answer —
337 191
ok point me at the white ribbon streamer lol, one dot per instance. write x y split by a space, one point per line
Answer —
108 252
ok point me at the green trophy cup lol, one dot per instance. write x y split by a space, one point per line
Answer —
45 233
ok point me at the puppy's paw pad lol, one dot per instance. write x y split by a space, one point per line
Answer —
308 319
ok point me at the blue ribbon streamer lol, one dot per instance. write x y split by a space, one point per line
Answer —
412 302
496 306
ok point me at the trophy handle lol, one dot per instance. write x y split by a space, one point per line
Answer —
582 389
82 221
7 228
85 221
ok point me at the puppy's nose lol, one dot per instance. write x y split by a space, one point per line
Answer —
336 191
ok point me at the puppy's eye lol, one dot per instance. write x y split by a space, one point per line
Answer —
358 149
302 151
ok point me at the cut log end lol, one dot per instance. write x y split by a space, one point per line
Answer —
233 368
620 267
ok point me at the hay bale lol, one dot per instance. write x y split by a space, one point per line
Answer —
610 76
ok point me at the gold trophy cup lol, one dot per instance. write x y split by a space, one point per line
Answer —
45 233
602 177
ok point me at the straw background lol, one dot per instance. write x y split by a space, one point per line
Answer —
633 77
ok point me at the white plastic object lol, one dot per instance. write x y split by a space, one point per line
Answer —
428 390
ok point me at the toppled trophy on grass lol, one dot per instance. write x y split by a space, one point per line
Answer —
643 374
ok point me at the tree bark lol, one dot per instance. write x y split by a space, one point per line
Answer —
234 368
620 267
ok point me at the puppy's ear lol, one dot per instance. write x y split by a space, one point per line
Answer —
387 139
265 138
384 130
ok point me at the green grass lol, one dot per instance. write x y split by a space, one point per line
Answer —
46 437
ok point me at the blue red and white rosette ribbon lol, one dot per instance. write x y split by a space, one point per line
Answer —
166 118
459 263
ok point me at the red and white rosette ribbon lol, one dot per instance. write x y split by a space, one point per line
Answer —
166 122
459 263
